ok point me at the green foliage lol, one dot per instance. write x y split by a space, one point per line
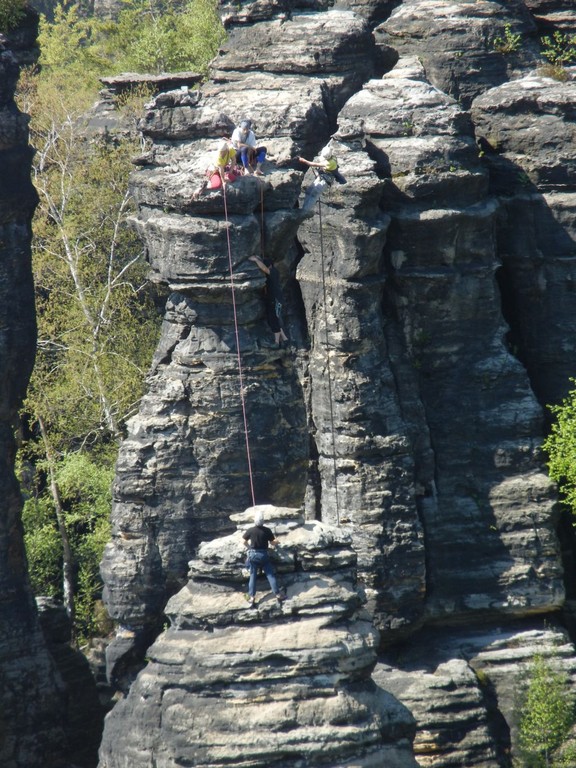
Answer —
97 327
148 36
12 13
546 714
510 43
69 59
163 36
85 487
559 49
97 322
560 446
555 71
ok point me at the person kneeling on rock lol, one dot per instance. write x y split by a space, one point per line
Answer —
257 540
327 174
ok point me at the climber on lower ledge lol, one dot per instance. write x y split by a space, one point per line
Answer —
326 175
257 540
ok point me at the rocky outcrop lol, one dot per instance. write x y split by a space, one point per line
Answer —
280 684
529 128
462 45
84 713
31 692
407 412
463 688
448 308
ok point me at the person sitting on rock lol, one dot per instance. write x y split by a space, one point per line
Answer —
225 160
273 298
326 174
244 141
223 167
257 540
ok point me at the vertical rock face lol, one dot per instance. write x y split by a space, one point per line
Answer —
429 305
31 694
185 462
530 130
364 436
488 490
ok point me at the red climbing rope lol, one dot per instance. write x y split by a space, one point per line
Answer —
240 373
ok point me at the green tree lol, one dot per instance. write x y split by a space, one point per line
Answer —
96 315
84 488
97 327
162 36
68 56
560 446
12 13
546 714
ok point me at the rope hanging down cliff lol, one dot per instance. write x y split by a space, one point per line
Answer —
328 366
240 372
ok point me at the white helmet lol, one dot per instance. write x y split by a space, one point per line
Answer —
223 146
326 152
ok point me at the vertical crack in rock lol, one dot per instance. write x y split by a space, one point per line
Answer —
456 42
400 376
489 521
365 453
530 130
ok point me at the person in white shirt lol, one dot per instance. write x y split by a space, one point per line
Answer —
244 141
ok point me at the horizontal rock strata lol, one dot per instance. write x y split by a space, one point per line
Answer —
188 480
276 685
464 687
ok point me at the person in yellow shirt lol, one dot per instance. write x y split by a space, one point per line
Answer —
225 156
326 175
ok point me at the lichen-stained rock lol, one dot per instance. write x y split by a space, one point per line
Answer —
277 685
458 42
425 147
236 14
529 128
308 43
447 303
463 687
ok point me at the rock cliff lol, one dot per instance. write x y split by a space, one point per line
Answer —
429 302
274 685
